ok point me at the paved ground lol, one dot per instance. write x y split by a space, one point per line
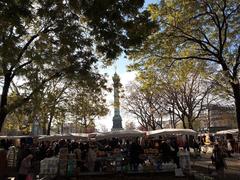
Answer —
204 166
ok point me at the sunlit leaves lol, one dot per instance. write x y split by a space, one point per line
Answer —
43 40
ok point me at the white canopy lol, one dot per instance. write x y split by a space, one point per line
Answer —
229 131
94 134
14 137
80 135
120 134
159 132
75 136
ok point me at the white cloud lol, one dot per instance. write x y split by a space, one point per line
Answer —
127 77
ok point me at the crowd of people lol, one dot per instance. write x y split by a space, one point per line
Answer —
49 157
30 158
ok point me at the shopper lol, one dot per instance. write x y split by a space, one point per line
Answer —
12 156
3 161
218 160
229 148
25 167
135 151
91 158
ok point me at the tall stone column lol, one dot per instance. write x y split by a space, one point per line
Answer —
117 119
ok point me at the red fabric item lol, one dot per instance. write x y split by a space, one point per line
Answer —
29 177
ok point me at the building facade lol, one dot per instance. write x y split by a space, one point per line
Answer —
217 117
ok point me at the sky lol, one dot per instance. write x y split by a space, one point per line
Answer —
125 78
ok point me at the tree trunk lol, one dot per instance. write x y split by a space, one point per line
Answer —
44 125
153 122
173 121
50 121
49 126
173 116
208 116
62 128
3 115
236 92
190 126
161 125
184 124
3 100
58 129
189 121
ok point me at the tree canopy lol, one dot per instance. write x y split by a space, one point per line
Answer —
51 39
196 30
145 103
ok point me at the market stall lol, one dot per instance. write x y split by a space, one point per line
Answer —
14 137
162 132
182 140
80 136
120 134
229 131
93 135
123 151
102 153
114 155
231 136
56 137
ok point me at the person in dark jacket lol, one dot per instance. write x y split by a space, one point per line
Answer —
135 151
218 160
25 167
3 161
174 150
165 151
